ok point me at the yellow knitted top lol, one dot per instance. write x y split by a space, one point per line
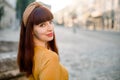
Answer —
46 66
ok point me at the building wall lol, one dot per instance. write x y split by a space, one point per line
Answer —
9 17
99 11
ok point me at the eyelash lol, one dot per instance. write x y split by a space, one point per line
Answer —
50 21
41 25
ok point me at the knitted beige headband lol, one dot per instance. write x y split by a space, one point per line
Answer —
28 10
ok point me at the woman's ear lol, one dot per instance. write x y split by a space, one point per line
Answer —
32 32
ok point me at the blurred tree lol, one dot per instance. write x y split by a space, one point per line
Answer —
20 7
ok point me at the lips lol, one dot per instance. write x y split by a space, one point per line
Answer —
50 34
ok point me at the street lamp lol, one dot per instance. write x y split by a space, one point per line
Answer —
112 14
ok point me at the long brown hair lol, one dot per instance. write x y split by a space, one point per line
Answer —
26 44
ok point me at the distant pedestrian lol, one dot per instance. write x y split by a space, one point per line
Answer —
37 53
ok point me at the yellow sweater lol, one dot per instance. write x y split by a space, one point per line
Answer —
46 66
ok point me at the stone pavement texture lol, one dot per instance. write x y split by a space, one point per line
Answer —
88 55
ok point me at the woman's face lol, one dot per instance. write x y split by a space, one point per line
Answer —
43 31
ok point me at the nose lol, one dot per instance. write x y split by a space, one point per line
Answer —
50 26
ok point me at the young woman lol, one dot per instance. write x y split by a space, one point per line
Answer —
38 54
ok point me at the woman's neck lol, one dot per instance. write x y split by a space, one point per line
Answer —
40 43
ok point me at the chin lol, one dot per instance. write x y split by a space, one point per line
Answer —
50 39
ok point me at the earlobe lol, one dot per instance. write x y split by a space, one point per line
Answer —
32 33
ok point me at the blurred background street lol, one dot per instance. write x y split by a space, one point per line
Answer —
90 55
87 33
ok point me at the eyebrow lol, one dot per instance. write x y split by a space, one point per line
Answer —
45 21
42 22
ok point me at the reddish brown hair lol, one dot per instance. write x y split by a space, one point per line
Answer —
26 44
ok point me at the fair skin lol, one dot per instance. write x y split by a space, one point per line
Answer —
42 33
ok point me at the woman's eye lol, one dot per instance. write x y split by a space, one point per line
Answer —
42 25
50 21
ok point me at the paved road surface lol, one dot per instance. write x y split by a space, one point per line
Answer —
89 55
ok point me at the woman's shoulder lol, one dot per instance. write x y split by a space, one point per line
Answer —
44 57
44 53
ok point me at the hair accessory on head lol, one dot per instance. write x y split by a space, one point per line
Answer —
28 10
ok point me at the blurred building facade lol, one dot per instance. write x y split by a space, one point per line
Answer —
46 5
92 14
9 14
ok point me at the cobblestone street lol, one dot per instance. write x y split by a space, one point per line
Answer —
89 55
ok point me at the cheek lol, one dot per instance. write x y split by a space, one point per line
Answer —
39 32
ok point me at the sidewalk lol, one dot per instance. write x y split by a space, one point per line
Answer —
8 51
9 35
